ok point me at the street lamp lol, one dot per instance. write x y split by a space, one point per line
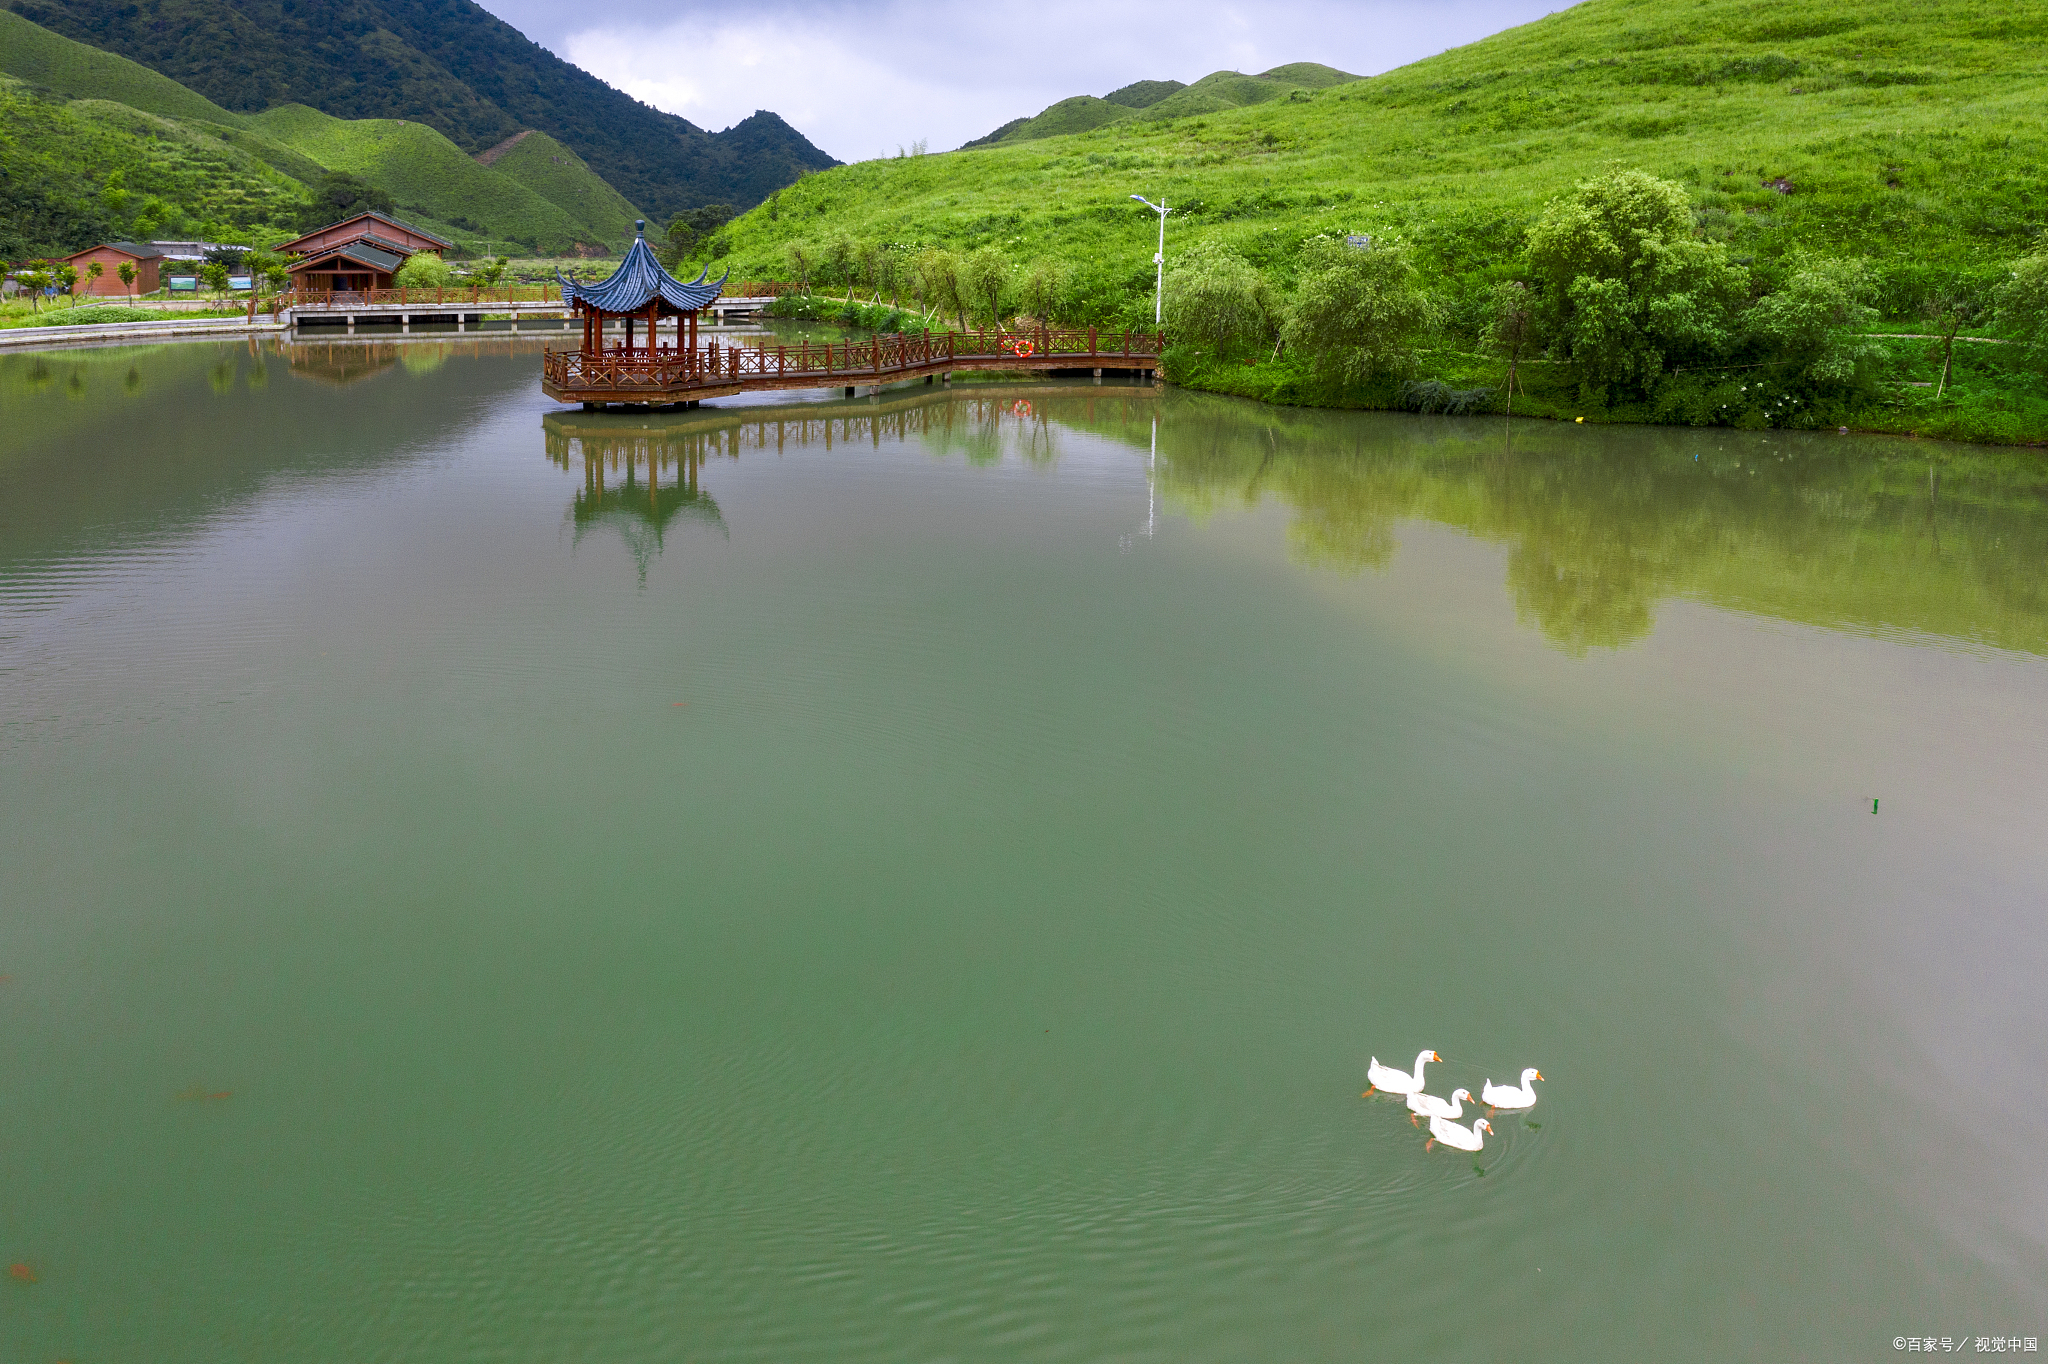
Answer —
1158 258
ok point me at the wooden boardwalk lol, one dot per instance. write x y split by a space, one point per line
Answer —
671 377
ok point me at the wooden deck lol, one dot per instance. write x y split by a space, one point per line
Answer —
669 377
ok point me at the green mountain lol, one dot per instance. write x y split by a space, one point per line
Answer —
446 63
1168 99
78 168
560 176
428 175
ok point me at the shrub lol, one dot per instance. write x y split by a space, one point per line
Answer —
1215 297
1044 289
984 275
1356 312
1627 287
1812 322
424 271
2023 306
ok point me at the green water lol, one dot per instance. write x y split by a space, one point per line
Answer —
922 881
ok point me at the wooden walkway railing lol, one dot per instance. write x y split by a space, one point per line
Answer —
473 295
671 375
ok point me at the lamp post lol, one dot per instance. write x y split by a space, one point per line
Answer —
1158 258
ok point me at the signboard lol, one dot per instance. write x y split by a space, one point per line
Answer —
239 282
182 283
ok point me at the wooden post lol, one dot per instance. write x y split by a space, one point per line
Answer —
781 361
1091 340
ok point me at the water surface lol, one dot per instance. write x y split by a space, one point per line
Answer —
921 879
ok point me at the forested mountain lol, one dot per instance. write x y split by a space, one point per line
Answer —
94 146
446 63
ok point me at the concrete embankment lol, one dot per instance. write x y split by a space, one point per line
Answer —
18 337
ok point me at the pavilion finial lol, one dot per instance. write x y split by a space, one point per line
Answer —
640 226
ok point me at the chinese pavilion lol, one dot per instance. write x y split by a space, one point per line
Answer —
640 291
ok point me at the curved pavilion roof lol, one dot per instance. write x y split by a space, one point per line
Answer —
639 280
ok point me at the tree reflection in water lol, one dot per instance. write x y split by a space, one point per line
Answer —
1600 524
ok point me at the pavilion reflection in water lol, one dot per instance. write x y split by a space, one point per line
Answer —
638 482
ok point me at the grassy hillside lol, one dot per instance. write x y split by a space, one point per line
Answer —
1909 137
447 63
425 172
1913 135
76 172
1168 99
560 176
49 61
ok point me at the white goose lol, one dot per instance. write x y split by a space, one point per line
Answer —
1430 1106
1398 1082
1511 1096
1451 1134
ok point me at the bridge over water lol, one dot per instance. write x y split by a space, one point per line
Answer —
686 375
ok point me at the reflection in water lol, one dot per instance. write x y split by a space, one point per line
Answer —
640 512
1600 525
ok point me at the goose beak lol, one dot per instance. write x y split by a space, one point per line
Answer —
1539 1074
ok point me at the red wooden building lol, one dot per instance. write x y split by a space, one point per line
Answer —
152 261
356 254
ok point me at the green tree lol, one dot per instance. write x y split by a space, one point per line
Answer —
1215 297
267 268
687 230
937 272
1813 322
423 271
984 275
1356 311
35 279
491 271
65 275
838 262
800 263
1510 320
1948 308
1628 288
93 270
868 257
888 272
126 270
1044 288
2023 305
214 275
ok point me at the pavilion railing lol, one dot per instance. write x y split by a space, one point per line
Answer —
639 371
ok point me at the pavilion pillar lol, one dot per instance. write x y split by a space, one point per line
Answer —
629 333
653 345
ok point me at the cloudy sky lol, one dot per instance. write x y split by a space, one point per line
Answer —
862 77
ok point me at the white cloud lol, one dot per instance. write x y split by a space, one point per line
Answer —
862 80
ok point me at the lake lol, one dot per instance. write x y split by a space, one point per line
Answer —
921 879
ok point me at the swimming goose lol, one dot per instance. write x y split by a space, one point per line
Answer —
1394 1081
1430 1106
1451 1134
1509 1096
